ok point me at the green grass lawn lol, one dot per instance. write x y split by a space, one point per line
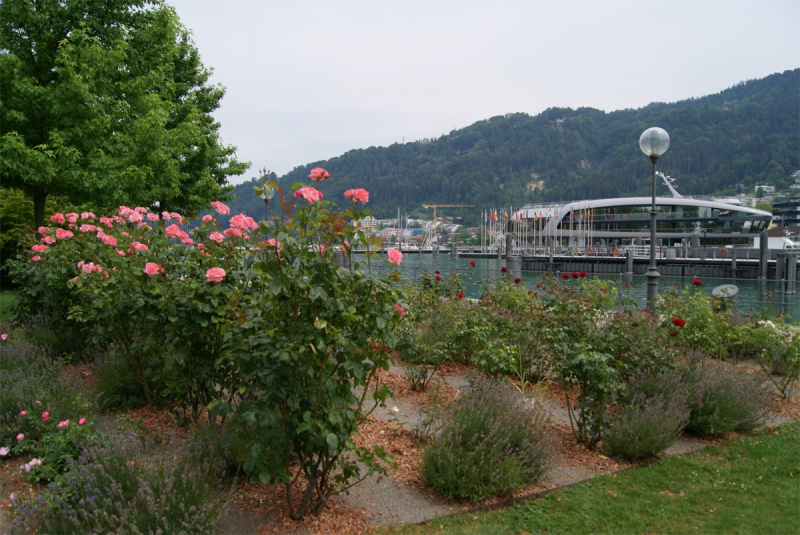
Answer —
7 302
747 485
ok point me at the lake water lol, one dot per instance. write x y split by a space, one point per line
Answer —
753 295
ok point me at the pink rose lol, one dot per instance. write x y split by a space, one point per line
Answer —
172 230
215 274
4 337
49 240
36 258
107 238
235 232
319 174
88 267
359 195
138 246
87 215
176 215
165 216
272 242
23 413
72 217
152 217
62 234
39 248
151 268
82 421
45 416
242 222
208 218
63 423
221 208
310 194
395 257
217 237
400 310
20 437
87 228
58 218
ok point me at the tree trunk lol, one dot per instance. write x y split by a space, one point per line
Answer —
39 200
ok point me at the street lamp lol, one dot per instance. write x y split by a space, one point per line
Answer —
654 142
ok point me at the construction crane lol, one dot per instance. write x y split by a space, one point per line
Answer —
435 206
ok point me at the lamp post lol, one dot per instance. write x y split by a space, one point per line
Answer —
654 142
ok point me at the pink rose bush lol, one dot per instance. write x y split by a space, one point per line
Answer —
260 307
53 440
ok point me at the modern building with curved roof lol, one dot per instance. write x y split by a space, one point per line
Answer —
584 223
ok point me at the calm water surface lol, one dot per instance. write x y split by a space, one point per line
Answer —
753 295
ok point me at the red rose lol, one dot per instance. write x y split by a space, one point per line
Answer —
679 322
517 280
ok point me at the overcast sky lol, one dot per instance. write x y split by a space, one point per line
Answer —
310 80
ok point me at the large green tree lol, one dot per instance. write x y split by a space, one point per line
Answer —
106 102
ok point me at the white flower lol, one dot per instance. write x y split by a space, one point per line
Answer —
395 409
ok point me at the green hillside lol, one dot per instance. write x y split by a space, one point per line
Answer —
721 144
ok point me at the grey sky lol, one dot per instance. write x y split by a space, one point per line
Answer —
310 80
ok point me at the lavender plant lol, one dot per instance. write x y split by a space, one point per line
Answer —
112 488
492 444
723 400
653 413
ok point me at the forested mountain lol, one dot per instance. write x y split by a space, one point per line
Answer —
722 143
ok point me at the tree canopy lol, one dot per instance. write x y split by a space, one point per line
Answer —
107 102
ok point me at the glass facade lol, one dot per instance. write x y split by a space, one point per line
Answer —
676 219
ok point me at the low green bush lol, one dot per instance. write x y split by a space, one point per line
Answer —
35 397
118 386
493 443
653 414
112 488
723 400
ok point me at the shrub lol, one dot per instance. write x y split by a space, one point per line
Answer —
112 489
779 356
31 382
118 387
492 444
255 324
653 415
723 400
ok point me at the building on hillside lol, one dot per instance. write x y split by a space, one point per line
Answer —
787 212
368 223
